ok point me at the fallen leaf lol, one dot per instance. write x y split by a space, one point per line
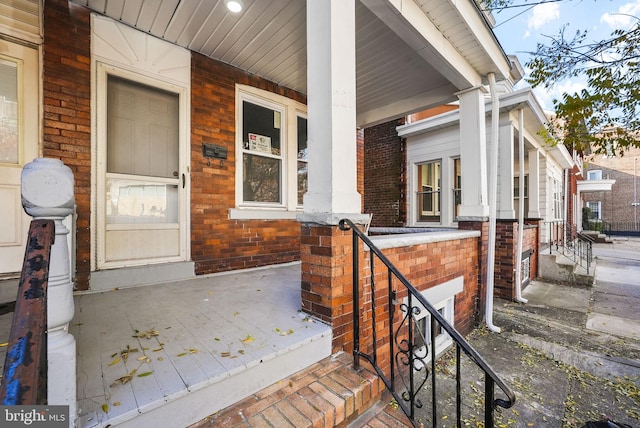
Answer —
193 351
225 354
144 374
4 344
160 358
248 338
105 408
114 362
182 354
116 404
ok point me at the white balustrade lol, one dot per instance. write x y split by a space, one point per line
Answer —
47 193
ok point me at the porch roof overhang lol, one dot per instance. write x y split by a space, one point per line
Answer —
588 186
410 55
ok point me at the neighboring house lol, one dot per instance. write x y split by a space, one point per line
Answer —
424 188
619 206
204 141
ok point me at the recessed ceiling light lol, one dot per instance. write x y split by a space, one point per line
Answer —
234 6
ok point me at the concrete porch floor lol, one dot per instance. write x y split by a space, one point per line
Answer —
193 347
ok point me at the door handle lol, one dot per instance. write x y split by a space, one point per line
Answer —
184 180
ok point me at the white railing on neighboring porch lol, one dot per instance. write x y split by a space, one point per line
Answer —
48 193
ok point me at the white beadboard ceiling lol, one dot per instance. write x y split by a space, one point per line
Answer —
268 39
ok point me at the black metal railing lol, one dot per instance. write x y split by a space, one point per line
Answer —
24 379
629 228
576 245
411 364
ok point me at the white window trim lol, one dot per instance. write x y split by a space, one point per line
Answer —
597 173
447 184
599 203
441 296
290 110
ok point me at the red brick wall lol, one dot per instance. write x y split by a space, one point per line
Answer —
327 278
67 116
506 255
483 245
217 243
616 204
425 266
326 254
385 175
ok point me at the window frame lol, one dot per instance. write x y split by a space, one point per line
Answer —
599 211
290 110
516 198
594 174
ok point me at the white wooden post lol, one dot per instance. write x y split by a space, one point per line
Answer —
47 192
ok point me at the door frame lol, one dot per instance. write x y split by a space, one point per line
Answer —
102 71
27 59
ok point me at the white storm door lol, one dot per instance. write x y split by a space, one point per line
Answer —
19 119
142 189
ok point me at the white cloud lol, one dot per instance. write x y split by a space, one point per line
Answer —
541 14
545 96
624 17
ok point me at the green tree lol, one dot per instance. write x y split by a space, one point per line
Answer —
605 115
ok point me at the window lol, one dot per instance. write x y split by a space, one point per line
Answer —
595 212
525 195
557 199
428 193
422 331
272 152
302 158
9 148
262 154
457 187
594 174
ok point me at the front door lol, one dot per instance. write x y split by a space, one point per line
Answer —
19 119
142 177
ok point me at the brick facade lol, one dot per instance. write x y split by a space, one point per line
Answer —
385 175
217 243
506 255
327 293
616 204
66 126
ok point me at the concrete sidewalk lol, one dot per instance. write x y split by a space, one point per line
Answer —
572 354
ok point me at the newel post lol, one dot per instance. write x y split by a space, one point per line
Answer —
47 193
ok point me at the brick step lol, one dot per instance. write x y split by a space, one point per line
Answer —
329 393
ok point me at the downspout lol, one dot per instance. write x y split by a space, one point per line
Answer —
518 279
493 196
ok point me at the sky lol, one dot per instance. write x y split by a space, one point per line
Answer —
519 29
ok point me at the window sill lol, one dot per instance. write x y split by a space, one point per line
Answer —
261 214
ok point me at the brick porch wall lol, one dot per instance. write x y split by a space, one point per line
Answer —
66 129
327 282
483 245
506 255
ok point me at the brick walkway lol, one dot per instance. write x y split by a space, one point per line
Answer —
328 394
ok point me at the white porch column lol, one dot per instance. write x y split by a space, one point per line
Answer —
47 192
505 172
473 155
331 77
534 184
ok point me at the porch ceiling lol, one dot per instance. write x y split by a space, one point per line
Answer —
403 56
